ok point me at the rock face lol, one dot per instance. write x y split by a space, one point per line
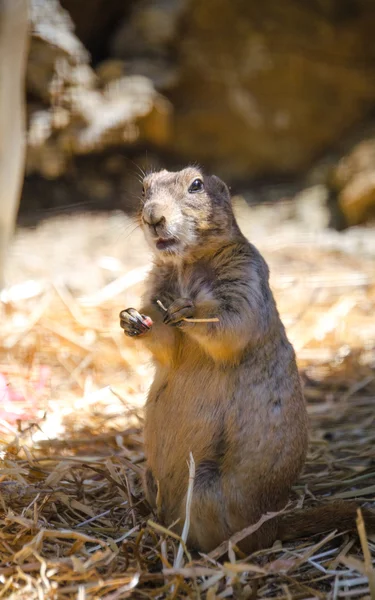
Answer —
353 183
244 88
75 110
257 87
95 21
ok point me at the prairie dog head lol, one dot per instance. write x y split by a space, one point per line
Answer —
185 211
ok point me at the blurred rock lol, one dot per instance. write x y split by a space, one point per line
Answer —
257 87
96 21
248 90
75 112
353 181
311 208
110 70
148 40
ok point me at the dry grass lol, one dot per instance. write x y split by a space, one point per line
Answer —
74 524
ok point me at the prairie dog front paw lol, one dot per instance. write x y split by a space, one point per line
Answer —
133 323
182 308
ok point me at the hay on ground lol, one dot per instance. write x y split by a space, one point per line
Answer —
73 520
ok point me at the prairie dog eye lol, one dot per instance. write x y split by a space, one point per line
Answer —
143 191
196 186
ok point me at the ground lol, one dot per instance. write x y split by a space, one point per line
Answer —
73 520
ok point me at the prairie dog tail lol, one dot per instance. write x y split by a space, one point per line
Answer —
320 519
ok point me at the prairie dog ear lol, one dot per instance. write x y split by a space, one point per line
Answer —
218 187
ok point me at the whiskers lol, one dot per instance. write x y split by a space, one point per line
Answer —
141 173
125 231
170 233
84 206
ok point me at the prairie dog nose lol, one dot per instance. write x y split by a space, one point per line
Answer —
152 215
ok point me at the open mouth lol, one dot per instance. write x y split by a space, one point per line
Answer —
165 243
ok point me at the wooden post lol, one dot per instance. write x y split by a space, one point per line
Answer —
13 59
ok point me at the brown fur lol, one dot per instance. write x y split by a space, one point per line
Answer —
228 392
338 514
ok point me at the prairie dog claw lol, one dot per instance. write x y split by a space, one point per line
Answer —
133 323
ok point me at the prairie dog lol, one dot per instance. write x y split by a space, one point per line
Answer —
227 391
